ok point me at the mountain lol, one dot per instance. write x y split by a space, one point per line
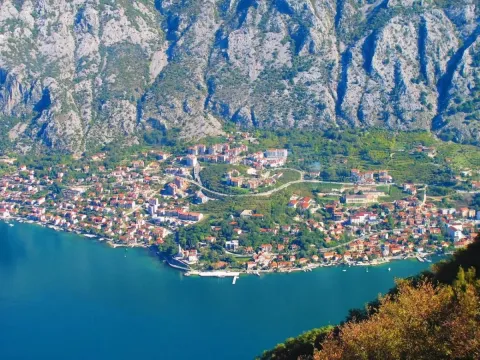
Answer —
81 73
432 316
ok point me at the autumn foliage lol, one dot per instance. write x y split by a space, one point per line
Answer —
418 322
433 316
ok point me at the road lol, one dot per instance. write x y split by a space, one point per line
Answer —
270 192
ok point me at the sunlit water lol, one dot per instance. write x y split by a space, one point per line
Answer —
63 296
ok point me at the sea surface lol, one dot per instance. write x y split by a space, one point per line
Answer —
64 296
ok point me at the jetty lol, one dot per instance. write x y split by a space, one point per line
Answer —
218 274
178 267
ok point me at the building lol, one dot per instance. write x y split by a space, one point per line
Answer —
360 199
410 189
200 198
181 183
190 216
455 232
231 245
246 214
276 153
172 189
4 214
191 161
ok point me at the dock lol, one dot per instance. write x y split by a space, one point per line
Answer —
420 258
218 274
235 278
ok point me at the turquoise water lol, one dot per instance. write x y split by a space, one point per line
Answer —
66 297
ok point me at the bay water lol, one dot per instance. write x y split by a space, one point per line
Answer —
64 296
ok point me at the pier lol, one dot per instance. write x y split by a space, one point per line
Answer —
218 274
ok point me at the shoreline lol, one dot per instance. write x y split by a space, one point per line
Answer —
226 273
108 241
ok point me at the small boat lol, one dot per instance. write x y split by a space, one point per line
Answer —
11 225
389 269
367 270
344 270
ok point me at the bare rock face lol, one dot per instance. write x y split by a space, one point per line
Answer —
67 65
76 74
276 64
391 74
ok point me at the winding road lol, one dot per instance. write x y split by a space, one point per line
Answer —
270 192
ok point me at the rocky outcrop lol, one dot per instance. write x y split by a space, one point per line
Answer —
76 74
69 68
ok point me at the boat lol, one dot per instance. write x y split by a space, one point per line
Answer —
11 225
344 270
389 269
367 270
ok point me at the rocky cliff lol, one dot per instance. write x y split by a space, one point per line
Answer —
77 73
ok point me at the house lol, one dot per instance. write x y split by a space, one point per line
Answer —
471 213
193 150
192 256
231 245
266 247
455 232
410 188
236 182
304 206
384 177
4 213
293 204
328 255
200 198
463 212
246 213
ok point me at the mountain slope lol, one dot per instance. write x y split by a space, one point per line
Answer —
77 73
434 316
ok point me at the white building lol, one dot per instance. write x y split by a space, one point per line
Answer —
4 214
191 160
231 245
276 153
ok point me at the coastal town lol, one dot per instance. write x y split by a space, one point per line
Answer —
155 199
